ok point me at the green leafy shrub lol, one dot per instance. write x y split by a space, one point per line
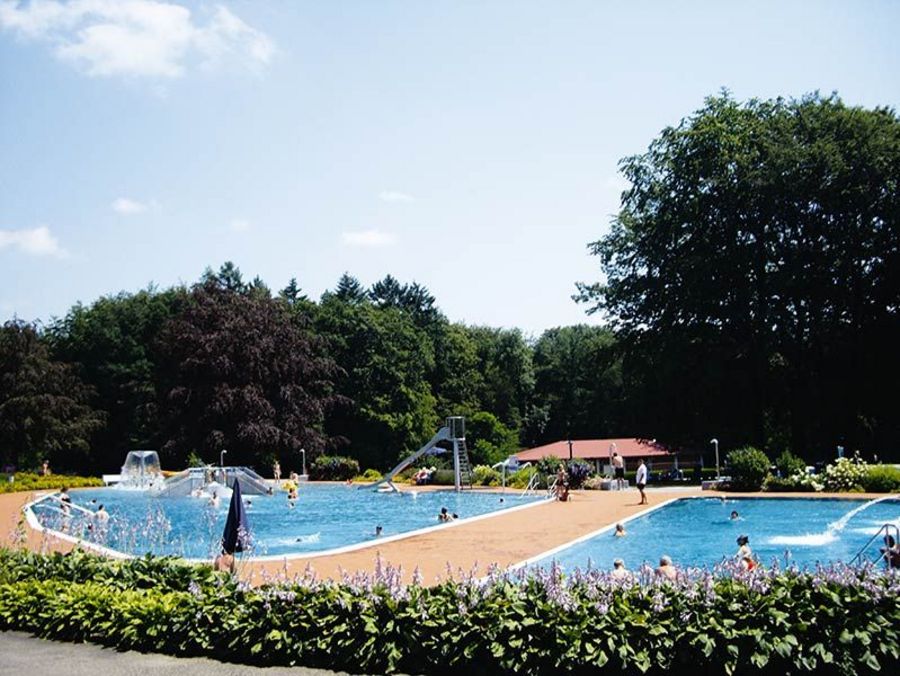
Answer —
845 475
548 466
882 479
485 476
789 464
333 468
443 477
748 468
369 475
834 621
520 478
797 483
28 481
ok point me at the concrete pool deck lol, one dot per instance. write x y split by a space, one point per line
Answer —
505 538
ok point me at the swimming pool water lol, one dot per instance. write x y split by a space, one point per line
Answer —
325 517
700 532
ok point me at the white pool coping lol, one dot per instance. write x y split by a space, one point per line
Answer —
373 542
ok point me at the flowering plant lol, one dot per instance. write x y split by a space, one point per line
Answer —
774 619
846 474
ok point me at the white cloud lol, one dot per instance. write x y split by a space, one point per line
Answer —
139 38
367 238
239 225
126 206
395 196
35 241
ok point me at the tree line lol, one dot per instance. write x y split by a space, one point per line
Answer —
750 286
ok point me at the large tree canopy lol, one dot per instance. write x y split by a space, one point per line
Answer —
753 272
239 372
44 411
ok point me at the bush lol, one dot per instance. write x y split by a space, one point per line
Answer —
485 476
845 475
520 478
789 464
748 468
333 468
369 475
578 471
443 477
797 483
28 481
548 466
882 479
833 621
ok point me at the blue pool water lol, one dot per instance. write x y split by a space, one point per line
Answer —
699 532
325 516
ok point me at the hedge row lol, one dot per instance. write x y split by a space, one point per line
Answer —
28 481
827 621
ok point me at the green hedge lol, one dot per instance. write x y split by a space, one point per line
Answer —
28 481
827 621
333 468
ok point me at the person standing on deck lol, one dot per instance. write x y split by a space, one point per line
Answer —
618 463
641 480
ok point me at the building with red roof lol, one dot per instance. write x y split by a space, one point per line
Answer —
599 451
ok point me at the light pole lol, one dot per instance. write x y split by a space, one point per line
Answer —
303 453
715 443
570 450
222 458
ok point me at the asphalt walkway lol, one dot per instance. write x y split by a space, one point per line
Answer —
23 654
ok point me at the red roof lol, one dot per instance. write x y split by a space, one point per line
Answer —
591 449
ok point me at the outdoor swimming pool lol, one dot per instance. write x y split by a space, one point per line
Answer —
699 532
325 517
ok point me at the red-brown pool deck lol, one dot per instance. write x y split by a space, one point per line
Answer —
505 539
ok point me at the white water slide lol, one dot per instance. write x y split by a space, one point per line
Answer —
443 434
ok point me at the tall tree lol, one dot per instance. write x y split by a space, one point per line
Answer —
754 268
386 360
113 342
44 410
239 373
578 378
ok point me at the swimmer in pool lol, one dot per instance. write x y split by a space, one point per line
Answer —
620 531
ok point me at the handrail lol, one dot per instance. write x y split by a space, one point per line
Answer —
551 489
532 484
886 530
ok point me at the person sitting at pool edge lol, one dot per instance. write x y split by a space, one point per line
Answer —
891 551
619 571
667 569
620 531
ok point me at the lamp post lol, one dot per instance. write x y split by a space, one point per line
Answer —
222 458
570 450
715 443
303 453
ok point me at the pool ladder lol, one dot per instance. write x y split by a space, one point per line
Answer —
887 529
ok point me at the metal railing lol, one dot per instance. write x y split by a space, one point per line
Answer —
888 529
532 484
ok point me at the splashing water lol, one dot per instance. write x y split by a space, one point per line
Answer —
831 533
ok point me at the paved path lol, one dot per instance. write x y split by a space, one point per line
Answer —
21 654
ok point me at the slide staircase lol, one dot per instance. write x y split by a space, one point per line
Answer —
465 466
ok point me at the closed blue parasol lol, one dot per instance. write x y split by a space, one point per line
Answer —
237 527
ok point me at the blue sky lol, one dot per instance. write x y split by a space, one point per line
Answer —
469 146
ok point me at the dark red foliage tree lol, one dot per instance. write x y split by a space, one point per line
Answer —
240 372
